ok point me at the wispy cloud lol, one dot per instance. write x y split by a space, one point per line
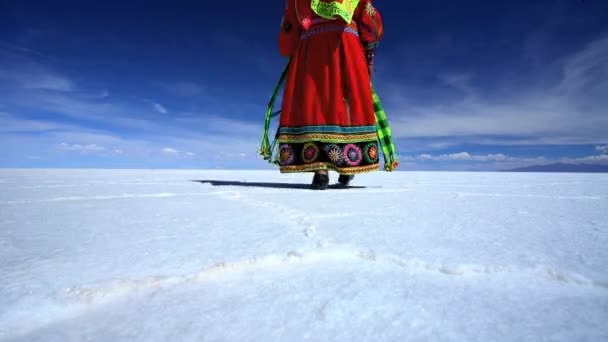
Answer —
461 156
46 81
172 152
83 149
601 158
169 150
471 161
73 105
90 109
160 108
103 94
563 113
146 140
459 81
587 70
12 123
602 149
24 72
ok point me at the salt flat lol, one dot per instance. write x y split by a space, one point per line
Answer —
108 255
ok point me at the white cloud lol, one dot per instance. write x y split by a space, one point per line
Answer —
602 149
170 150
600 158
94 144
587 68
456 156
175 153
159 108
528 118
438 145
232 155
99 144
82 149
165 143
25 73
30 82
91 108
15 47
465 161
12 123
459 81
461 156
76 106
499 157
46 81
570 110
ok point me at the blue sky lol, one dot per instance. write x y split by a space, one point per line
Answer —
467 85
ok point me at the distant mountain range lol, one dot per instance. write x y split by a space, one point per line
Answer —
561 167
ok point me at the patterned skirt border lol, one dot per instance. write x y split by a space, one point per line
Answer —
329 166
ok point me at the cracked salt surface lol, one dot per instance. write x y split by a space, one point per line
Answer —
152 255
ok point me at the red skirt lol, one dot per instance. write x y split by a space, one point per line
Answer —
327 119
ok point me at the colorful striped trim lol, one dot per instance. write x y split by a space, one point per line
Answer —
329 166
328 129
332 28
324 137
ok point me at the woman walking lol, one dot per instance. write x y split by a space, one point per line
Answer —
327 118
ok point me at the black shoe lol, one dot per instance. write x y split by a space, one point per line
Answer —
345 179
320 182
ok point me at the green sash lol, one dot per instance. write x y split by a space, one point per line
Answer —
266 149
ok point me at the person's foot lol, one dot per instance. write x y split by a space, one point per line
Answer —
345 179
320 181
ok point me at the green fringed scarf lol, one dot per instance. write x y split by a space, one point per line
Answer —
383 128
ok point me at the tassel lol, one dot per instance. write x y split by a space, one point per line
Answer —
265 150
390 167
